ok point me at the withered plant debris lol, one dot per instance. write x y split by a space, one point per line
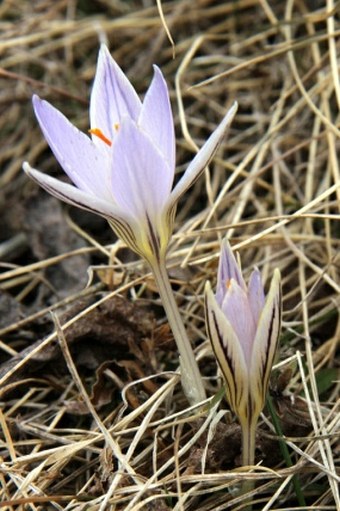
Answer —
108 334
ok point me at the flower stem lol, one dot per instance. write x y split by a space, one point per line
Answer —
248 441
248 427
190 375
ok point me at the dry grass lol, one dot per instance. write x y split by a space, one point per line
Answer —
274 189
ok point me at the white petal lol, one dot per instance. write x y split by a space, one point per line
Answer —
141 178
85 165
112 98
156 118
203 157
72 195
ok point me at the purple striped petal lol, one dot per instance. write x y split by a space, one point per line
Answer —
236 309
228 352
256 294
266 341
227 269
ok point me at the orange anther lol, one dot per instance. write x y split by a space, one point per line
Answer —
98 133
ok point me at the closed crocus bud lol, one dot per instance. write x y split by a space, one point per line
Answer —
244 327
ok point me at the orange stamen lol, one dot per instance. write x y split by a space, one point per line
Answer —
116 126
98 133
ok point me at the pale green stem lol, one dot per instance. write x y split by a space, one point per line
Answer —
248 441
248 428
190 375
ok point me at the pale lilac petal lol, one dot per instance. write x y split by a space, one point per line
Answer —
78 156
236 308
266 340
73 195
228 352
156 118
141 179
227 269
122 223
256 294
203 157
112 98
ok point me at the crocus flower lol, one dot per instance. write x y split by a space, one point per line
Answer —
244 327
125 170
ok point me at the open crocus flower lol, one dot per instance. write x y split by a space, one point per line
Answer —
244 327
125 170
